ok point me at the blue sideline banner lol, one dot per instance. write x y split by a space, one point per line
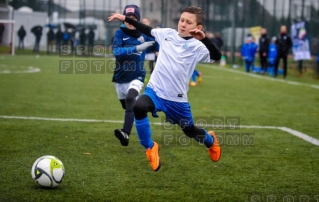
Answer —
300 48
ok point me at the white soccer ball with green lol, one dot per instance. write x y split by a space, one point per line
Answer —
48 171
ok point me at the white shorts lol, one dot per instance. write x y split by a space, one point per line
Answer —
123 88
150 56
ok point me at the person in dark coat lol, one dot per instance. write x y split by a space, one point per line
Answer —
91 36
2 28
58 39
318 67
72 40
38 34
50 41
82 40
21 34
263 50
218 40
284 44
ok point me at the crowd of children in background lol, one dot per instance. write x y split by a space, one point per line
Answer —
270 52
267 53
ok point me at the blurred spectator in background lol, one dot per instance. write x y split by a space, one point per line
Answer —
263 49
218 40
318 66
50 41
284 43
272 55
246 53
58 39
2 28
72 39
38 34
66 37
91 36
146 21
253 50
21 34
210 35
82 41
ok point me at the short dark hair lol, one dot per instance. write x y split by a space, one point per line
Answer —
197 11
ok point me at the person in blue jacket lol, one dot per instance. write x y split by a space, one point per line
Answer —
318 67
253 51
246 54
129 47
272 55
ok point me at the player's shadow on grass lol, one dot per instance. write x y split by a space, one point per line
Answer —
38 188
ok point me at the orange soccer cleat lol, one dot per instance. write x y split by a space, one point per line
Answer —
200 78
192 83
215 150
153 156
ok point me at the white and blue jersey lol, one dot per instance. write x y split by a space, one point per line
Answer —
176 63
129 62
168 85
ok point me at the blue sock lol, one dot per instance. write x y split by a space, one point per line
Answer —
144 134
194 78
196 72
208 140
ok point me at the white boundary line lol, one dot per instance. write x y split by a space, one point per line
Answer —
13 70
285 129
261 77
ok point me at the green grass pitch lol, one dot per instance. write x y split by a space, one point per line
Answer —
98 168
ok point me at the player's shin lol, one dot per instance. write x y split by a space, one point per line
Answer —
143 130
199 135
129 115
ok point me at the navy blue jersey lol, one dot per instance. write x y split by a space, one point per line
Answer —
129 62
153 49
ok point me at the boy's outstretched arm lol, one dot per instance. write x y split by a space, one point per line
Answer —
139 26
214 52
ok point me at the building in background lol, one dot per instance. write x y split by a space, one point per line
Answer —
232 18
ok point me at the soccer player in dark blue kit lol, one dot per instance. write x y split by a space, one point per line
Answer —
129 47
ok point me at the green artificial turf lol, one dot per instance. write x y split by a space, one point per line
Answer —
274 164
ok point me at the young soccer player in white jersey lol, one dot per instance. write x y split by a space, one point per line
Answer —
180 52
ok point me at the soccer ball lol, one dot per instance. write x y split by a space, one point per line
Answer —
48 171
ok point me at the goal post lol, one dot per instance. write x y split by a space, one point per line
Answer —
7 44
